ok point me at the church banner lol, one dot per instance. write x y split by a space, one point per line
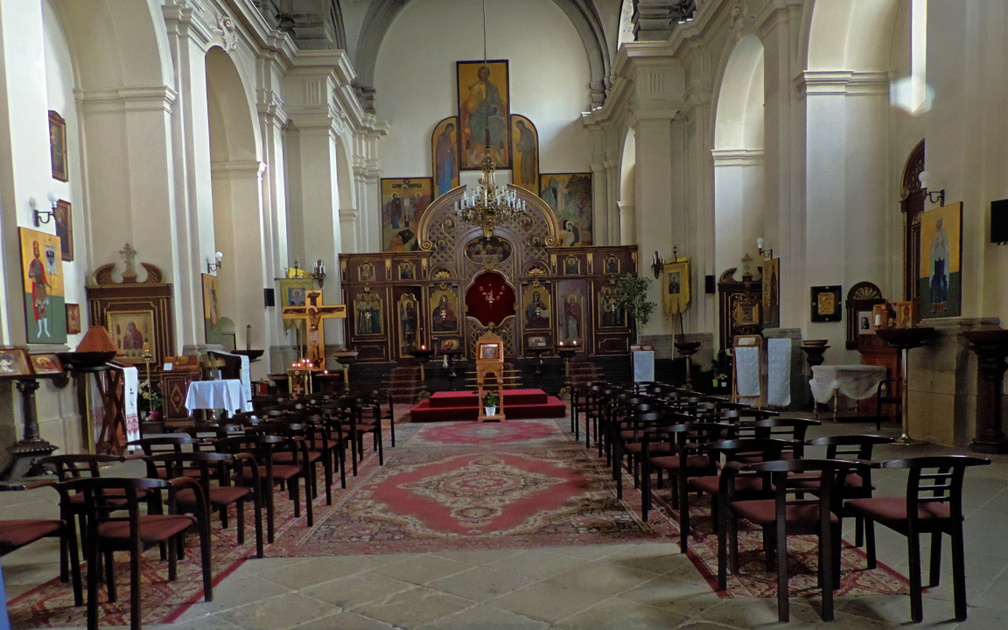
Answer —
676 288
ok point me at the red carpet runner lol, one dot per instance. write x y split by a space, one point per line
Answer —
464 405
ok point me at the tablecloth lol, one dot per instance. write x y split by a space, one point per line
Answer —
224 394
854 381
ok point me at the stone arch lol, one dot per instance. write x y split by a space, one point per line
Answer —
738 153
850 34
582 14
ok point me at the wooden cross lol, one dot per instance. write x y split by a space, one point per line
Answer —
313 314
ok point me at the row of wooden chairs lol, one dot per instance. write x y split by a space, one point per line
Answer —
752 464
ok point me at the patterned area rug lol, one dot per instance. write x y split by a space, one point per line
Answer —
478 486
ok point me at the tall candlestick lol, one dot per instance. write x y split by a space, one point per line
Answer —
248 336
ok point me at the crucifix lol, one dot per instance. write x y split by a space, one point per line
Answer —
313 314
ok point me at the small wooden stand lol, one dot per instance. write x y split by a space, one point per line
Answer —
490 362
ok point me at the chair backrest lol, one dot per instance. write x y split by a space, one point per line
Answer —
786 429
155 445
858 446
78 465
791 480
935 481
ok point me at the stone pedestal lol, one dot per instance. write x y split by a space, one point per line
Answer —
991 347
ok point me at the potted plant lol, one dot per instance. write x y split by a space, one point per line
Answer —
490 400
631 294
149 402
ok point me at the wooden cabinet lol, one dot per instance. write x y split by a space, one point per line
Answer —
175 387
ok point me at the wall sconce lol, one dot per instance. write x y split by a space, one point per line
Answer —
765 253
657 264
43 216
933 197
318 272
211 267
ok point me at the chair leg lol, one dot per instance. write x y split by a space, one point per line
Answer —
257 512
110 585
135 553
872 560
684 516
204 531
935 564
240 518
959 572
783 608
913 553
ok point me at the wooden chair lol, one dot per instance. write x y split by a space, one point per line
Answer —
932 504
18 533
109 531
220 477
788 512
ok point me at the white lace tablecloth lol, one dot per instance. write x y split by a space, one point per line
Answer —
854 381
225 394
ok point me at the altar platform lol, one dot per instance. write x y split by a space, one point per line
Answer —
518 404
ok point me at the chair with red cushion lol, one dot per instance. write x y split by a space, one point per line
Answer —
110 530
794 509
226 480
17 533
932 504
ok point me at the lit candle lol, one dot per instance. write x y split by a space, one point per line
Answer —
423 347
561 344
574 342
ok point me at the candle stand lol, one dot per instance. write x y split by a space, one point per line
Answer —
566 353
687 349
422 355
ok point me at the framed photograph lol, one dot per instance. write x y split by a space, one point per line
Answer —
444 149
489 351
46 364
64 229
537 341
569 195
451 344
771 293
57 146
676 288
865 323
132 331
484 107
14 362
73 320
444 315
403 202
940 282
827 304
525 142
42 278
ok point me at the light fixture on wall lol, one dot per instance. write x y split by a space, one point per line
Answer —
318 272
211 267
43 216
488 205
765 253
933 197
657 264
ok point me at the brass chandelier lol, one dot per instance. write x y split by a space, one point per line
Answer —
487 205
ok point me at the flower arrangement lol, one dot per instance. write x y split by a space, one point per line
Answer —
491 398
150 397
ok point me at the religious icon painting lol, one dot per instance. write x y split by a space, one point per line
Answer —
211 309
366 272
403 202
368 314
771 293
536 307
73 320
46 364
570 313
525 142
14 362
63 218
484 113
444 315
407 270
444 149
676 287
611 266
611 313
42 278
826 304
571 266
292 293
940 282
569 195
409 324
58 146
132 331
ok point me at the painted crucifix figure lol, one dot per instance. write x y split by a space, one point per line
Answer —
313 314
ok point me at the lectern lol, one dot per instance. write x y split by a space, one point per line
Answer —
490 373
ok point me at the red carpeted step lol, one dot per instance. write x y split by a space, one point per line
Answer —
518 404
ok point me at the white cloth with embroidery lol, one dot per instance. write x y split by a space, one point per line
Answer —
131 389
854 381
747 371
779 371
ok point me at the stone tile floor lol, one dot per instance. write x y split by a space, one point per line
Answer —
633 586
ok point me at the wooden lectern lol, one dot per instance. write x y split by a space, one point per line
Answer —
490 373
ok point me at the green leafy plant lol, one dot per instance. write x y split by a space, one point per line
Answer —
150 397
491 398
631 294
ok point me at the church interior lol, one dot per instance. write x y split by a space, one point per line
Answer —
794 204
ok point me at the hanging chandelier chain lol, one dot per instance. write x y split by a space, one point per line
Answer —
484 34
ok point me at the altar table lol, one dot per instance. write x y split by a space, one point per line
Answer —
224 394
854 381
